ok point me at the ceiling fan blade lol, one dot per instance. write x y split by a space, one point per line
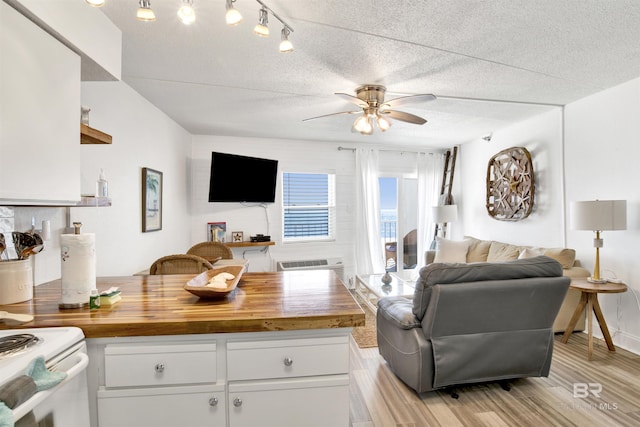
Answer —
409 99
333 114
404 117
359 102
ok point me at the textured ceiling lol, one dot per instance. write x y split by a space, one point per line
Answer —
490 63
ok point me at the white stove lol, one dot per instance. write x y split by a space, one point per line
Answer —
63 349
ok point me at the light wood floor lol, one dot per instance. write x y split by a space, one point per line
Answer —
379 399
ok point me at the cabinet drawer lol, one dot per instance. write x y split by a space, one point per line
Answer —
149 365
308 402
193 406
287 358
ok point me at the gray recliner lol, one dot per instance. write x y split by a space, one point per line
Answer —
470 323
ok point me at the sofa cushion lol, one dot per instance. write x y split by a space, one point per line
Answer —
499 252
451 250
443 274
478 249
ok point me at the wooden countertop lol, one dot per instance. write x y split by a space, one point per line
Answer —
158 305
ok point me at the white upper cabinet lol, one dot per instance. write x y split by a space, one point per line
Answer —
39 115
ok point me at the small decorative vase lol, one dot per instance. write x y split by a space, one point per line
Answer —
386 279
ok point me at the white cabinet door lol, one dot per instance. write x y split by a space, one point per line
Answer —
39 115
309 402
190 406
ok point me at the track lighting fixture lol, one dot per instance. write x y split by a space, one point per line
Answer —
145 13
233 17
186 13
261 28
285 43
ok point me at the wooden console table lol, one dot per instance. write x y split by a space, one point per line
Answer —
589 301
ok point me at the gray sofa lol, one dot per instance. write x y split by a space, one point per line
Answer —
470 323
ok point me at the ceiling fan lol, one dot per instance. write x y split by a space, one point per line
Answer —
375 110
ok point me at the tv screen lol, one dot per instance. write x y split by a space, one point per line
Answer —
229 183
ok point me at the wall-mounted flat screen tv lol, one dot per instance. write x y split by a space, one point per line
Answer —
239 179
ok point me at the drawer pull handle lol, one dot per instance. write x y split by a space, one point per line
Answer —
288 361
237 402
159 368
213 401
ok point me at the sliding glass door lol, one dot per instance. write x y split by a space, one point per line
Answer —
399 223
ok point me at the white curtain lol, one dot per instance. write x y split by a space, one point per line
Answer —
430 170
369 254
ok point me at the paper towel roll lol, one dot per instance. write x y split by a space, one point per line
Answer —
78 255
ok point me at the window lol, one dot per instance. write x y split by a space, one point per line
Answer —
308 205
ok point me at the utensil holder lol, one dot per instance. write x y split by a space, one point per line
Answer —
16 281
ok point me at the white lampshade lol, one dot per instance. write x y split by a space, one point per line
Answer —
445 213
599 215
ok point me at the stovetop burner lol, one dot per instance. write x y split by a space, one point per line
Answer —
15 343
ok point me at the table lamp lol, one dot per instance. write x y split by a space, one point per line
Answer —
444 214
598 216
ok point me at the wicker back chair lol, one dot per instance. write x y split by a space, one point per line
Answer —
180 264
211 251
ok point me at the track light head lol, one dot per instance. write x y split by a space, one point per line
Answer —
263 19
285 43
96 3
186 13
233 16
145 13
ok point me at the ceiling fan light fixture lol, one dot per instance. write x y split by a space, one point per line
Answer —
96 3
263 19
285 43
383 124
233 17
145 13
363 125
186 13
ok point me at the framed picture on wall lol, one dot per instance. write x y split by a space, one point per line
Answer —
151 200
217 232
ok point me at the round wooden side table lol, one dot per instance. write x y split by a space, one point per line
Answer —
589 301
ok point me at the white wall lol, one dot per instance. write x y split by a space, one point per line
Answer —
142 137
602 147
542 137
292 156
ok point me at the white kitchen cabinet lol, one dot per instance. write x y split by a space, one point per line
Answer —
310 402
285 378
190 406
39 115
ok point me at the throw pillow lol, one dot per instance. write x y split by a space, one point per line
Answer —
451 250
566 257
530 253
499 252
478 249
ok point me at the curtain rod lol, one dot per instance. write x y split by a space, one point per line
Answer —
386 150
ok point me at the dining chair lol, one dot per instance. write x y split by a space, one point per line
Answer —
180 264
211 251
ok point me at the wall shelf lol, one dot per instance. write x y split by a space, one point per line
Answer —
89 135
244 244
88 201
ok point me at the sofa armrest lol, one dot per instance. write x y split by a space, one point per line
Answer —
429 257
398 311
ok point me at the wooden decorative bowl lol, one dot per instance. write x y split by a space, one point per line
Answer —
198 285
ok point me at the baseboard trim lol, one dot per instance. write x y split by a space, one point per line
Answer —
621 339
